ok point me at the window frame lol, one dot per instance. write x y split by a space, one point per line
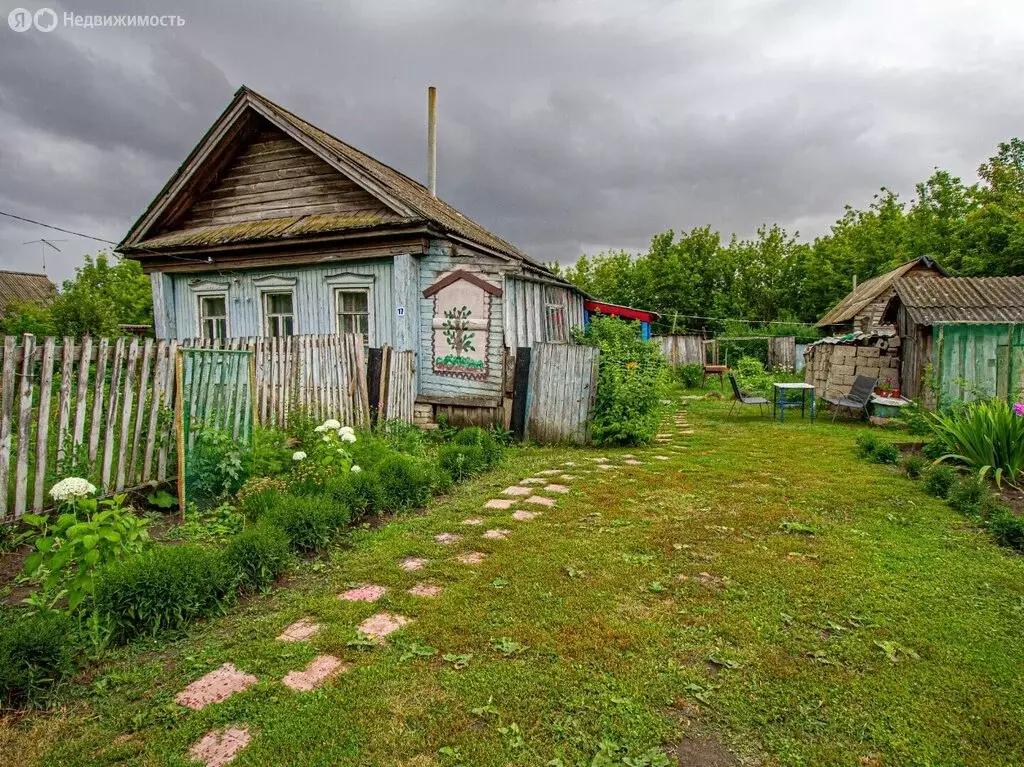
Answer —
339 292
556 318
201 319
351 282
265 296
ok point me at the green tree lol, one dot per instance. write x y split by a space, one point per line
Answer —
104 294
26 317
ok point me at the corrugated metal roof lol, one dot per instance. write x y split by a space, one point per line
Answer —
25 286
869 290
963 299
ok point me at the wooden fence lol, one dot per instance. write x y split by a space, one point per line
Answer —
681 349
562 388
398 386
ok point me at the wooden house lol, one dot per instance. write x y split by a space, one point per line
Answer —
273 227
25 287
959 336
861 310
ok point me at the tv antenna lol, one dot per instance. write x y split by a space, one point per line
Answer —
44 244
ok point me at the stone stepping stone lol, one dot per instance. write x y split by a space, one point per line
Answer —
568 477
498 535
380 625
532 481
570 463
516 490
472 558
366 592
606 467
540 500
556 488
413 563
447 539
661 458
299 631
688 432
627 455
600 459
549 472
524 516
631 462
322 668
426 590
219 747
472 521
499 503
219 685
663 436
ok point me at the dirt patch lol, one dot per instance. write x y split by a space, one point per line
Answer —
700 752
1015 498
12 564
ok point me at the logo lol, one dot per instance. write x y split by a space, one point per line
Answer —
45 19
20 20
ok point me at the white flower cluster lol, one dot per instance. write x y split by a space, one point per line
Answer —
298 455
329 425
347 434
71 488
356 469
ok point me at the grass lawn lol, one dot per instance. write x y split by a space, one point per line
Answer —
761 591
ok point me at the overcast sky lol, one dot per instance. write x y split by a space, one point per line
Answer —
565 126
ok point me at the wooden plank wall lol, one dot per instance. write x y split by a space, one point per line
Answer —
782 353
400 395
976 358
681 349
562 389
88 408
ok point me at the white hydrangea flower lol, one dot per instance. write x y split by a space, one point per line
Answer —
72 487
346 430
356 469
326 438
298 455
347 436
331 424
321 429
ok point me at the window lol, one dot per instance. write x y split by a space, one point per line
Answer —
353 307
278 314
213 317
556 329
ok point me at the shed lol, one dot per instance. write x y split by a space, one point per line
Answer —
961 336
861 310
28 287
273 227
623 312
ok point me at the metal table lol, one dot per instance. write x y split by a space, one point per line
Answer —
780 399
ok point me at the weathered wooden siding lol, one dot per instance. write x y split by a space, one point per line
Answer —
442 258
313 298
524 310
975 358
275 177
562 389
681 349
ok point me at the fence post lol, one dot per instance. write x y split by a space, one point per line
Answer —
374 359
520 387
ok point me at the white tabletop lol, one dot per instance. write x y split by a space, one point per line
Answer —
794 386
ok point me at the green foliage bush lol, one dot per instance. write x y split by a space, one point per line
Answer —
309 521
690 375
359 492
938 480
491 449
401 437
987 436
217 467
259 496
752 377
162 590
405 483
631 374
934 449
271 453
914 466
36 652
258 555
462 461
1008 529
866 444
967 494
885 452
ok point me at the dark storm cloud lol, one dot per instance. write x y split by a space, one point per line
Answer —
563 125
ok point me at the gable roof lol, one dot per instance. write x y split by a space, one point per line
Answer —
963 299
871 289
25 286
409 200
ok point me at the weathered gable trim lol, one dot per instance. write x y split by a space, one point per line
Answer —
462 274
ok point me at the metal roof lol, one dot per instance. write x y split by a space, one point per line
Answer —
869 290
963 299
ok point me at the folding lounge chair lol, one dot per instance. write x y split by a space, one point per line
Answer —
858 398
739 396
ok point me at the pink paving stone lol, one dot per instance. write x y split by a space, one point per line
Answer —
220 684
299 631
426 590
524 516
499 503
532 481
497 535
367 592
322 668
568 477
540 500
472 558
413 563
556 488
218 747
472 521
447 539
516 490
380 625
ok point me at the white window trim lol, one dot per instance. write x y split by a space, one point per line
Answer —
273 283
351 282
210 289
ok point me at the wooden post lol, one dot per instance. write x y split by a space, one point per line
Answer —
373 367
520 386
179 430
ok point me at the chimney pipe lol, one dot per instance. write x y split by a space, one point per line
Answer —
432 140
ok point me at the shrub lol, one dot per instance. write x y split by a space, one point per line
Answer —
165 589
938 480
885 452
988 436
259 496
752 377
690 375
271 452
309 521
402 437
490 447
258 555
462 461
866 444
914 466
1008 529
967 494
359 492
36 652
934 449
630 378
370 451
405 483
217 466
